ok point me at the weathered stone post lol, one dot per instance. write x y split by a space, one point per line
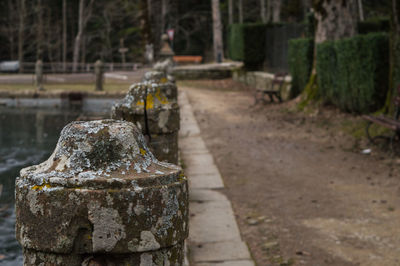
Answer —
166 50
102 199
158 77
165 62
154 108
99 73
39 75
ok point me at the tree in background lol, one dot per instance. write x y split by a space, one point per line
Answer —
276 6
230 11
21 31
394 78
217 32
66 30
336 19
40 31
64 37
85 12
240 9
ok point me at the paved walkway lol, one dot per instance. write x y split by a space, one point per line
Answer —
214 237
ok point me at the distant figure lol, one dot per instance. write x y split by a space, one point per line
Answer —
149 53
99 75
39 75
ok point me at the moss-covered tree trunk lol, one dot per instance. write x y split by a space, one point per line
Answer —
394 79
336 19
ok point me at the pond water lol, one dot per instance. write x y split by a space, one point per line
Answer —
27 137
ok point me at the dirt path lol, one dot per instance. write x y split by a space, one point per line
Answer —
302 192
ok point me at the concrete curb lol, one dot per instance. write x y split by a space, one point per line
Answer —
214 236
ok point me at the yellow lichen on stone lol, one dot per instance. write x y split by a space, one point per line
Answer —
181 176
161 98
149 101
140 103
163 80
142 151
40 188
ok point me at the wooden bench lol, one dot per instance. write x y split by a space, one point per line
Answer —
187 59
390 123
274 90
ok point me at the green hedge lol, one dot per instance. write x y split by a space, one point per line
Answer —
327 71
353 73
246 43
300 63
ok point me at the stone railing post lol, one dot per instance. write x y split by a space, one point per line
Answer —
102 199
99 75
39 75
152 105
159 77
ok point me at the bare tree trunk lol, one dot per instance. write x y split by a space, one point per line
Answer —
84 16
164 12
83 54
230 11
11 39
21 28
64 53
217 32
40 35
394 57
262 11
50 44
336 20
360 10
240 8
268 15
149 7
11 28
276 10
145 23
78 37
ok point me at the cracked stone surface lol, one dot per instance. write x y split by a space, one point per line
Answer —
152 106
102 192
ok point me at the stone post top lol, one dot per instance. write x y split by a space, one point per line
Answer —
156 96
164 37
98 153
98 62
157 77
166 48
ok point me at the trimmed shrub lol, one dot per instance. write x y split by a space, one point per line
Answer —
246 43
381 24
300 63
327 71
353 72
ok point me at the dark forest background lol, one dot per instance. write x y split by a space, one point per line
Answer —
49 29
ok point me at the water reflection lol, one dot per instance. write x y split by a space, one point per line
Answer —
27 137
